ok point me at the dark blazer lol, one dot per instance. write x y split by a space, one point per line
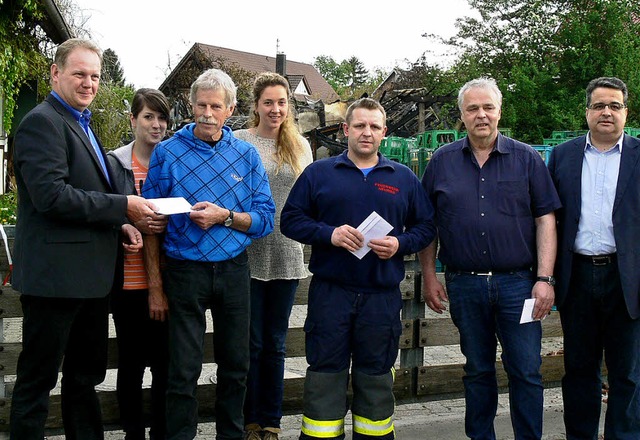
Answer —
69 217
565 166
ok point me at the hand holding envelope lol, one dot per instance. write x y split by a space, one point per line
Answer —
372 227
527 311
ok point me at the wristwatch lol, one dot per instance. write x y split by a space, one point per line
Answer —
229 221
549 280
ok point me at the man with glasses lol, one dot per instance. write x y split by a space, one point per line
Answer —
598 180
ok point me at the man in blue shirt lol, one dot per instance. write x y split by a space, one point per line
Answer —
598 291
353 318
494 202
207 265
70 220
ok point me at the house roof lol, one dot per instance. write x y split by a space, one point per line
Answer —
54 24
318 87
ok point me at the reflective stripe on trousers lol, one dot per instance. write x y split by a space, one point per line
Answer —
373 428
322 428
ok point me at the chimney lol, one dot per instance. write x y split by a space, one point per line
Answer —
281 64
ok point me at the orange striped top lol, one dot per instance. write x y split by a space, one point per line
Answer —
135 275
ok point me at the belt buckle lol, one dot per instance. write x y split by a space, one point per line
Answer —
483 274
601 261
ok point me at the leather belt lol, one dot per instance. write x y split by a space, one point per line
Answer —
487 273
597 260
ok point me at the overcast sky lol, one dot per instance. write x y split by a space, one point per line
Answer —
150 39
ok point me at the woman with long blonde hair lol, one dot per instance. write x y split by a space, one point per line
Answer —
276 262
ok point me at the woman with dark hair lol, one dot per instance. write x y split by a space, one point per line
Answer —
140 310
276 262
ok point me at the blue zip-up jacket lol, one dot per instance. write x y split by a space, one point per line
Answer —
230 174
333 192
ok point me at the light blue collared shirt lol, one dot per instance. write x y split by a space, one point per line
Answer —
599 182
83 119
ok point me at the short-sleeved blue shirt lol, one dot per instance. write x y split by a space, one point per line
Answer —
486 216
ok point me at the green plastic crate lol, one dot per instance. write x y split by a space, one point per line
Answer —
506 132
632 131
418 158
553 142
544 151
436 138
394 148
563 135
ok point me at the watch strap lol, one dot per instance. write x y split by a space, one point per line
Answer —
229 220
550 280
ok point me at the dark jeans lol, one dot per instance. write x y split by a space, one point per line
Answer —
53 328
142 342
595 319
271 303
486 309
192 288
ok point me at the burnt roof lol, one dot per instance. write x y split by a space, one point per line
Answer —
317 85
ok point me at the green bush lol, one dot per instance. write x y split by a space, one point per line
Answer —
8 208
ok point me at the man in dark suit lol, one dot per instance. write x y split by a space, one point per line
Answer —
70 219
598 266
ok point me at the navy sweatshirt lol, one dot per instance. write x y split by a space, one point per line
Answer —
333 192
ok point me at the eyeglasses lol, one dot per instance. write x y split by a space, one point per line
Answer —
600 106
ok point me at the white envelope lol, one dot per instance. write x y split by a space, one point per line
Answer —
171 205
527 311
372 227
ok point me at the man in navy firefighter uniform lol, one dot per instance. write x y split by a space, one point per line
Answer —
354 304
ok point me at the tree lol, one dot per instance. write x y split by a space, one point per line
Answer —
357 74
333 72
544 52
110 119
349 78
111 70
601 38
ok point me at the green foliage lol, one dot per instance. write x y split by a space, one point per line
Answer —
111 70
8 208
331 71
110 119
20 57
349 78
543 53
602 38
243 79
357 74
111 107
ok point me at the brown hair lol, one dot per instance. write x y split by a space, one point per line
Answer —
152 98
289 144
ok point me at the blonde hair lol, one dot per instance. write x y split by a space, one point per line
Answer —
64 50
289 146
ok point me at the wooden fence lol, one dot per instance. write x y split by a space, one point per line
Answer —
415 381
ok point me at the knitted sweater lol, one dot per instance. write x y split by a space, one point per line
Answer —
276 256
